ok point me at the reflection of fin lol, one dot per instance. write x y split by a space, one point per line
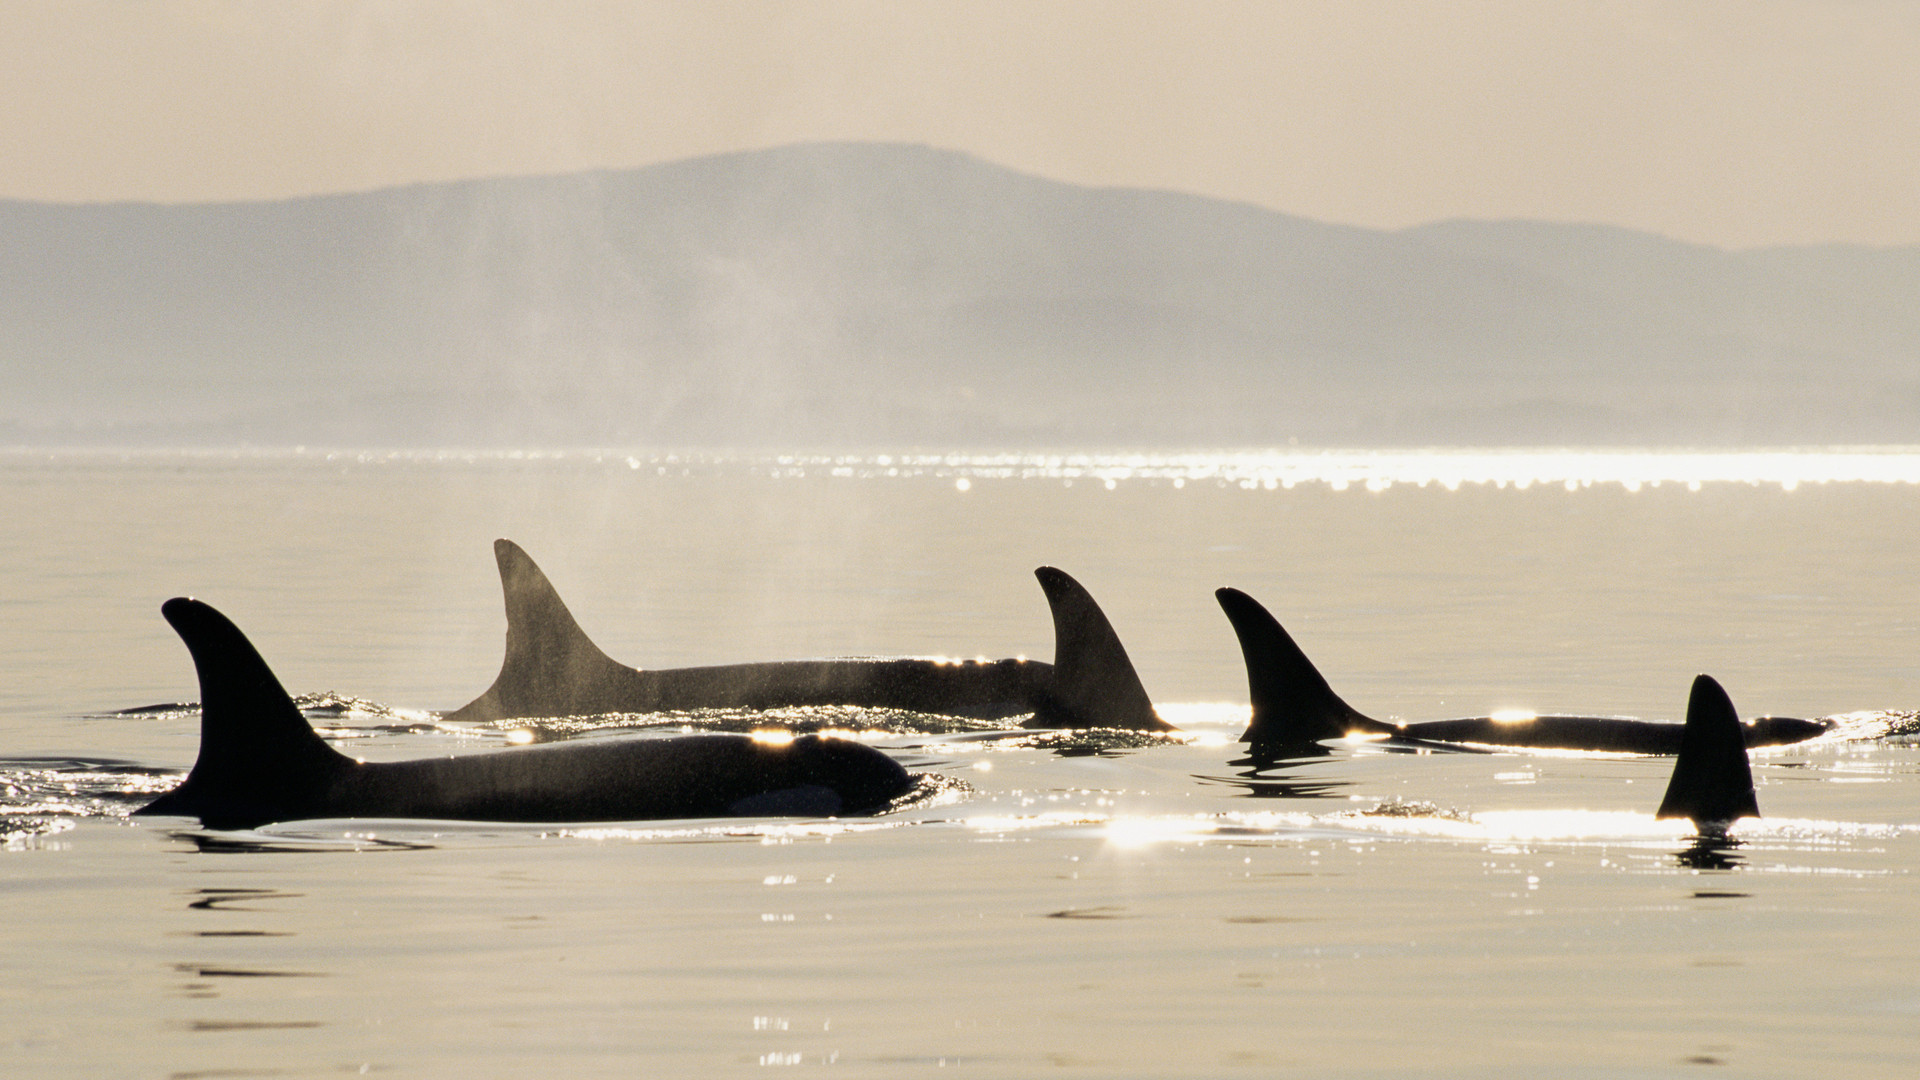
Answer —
1292 703
552 668
258 755
1712 783
1094 683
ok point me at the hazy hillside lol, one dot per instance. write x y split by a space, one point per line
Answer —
891 295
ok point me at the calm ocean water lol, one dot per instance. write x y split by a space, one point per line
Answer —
1085 909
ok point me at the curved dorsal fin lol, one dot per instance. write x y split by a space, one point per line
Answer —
256 749
1712 782
551 667
1094 683
1292 703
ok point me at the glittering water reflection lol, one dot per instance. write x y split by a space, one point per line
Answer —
1341 470
1378 470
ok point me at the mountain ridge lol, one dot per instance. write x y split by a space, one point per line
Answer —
885 295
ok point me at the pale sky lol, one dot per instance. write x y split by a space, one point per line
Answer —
1735 124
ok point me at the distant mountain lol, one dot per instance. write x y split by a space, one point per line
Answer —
881 295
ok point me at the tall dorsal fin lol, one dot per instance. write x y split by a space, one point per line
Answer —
256 749
1292 703
1094 683
1712 783
550 663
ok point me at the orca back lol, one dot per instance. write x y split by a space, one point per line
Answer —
261 761
552 668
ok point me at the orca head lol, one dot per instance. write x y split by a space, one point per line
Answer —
806 800
860 777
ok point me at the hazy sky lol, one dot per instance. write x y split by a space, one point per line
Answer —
1738 124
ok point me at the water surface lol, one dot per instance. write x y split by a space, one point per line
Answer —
1082 908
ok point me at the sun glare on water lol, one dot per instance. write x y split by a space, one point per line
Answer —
1140 832
1363 471
1376 471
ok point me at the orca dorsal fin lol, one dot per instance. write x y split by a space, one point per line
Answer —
1712 783
258 755
1292 703
551 665
1094 683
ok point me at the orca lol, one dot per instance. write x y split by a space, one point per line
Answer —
1712 784
261 762
1293 705
552 668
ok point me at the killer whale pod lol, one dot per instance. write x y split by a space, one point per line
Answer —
552 668
1293 705
261 762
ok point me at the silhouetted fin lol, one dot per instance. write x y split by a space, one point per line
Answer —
551 667
1292 703
1094 683
1712 782
256 750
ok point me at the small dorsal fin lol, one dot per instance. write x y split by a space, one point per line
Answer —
256 749
1712 783
1292 703
1094 683
551 666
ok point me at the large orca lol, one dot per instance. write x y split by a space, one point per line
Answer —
552 668
260 762
1293 705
